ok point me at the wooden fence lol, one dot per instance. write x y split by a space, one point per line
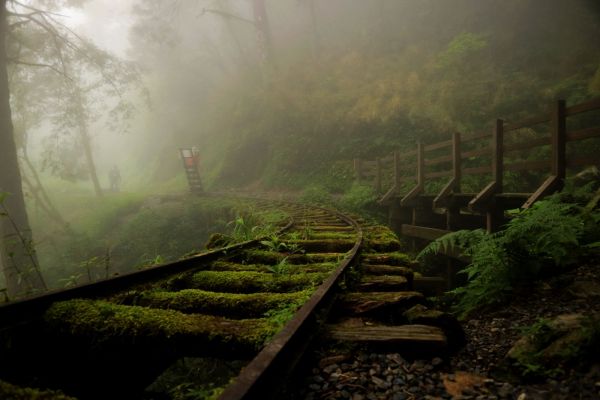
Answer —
424 187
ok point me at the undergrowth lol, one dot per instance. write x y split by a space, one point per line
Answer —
539 241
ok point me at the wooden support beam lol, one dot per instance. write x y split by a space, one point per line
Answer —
378 177
559 163
358 169
498 155
417 190
420 164
397 172
485 198
456 161
559 140
453 186
422 232
453 212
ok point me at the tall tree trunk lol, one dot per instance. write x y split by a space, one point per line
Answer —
19 261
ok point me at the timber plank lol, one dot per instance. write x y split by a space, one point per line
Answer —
358 303
370 269
374 283
429 336
422 232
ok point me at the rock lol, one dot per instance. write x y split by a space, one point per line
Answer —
379 382
522 396
330 368
584 289
337 359
505 390
569 339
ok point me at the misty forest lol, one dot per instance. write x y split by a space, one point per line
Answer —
299 199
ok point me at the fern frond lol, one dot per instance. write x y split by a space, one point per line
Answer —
457 242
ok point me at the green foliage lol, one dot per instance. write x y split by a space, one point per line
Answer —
463 241
249 224
122 232
281 316
207 302
547 347
104 321
549 235
358 198
461 48
13 392
282 267
252 282
316 195
274 243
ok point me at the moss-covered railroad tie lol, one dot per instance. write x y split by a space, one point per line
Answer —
101 321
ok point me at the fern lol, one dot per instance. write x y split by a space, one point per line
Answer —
460 242
551 234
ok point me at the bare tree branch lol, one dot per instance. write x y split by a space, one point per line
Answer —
42 65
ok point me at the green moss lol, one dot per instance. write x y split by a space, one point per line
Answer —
13 392
324 245
103 321
381 239
379 232
251 282
394 258
228 304
291 269
332 235
546 348
267 257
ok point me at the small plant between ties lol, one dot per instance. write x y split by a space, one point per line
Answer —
276 245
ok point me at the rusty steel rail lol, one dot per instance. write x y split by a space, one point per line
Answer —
264 375
22 310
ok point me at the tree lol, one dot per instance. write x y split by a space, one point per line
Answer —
84 82
19 261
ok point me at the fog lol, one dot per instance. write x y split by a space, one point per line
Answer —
277 96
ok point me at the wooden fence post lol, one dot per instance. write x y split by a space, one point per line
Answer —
452 211
456 161
495 215
420 183
559 141
397 180
378 176
498 155
420 164
358 169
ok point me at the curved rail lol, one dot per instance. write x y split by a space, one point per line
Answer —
277 357
258 379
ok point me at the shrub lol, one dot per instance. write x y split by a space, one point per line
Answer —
536 241
316 195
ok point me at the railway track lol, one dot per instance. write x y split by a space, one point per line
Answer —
228 324
111 339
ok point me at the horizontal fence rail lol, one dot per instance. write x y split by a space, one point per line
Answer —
540 147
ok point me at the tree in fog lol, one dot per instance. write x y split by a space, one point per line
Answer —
73 85
18 258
